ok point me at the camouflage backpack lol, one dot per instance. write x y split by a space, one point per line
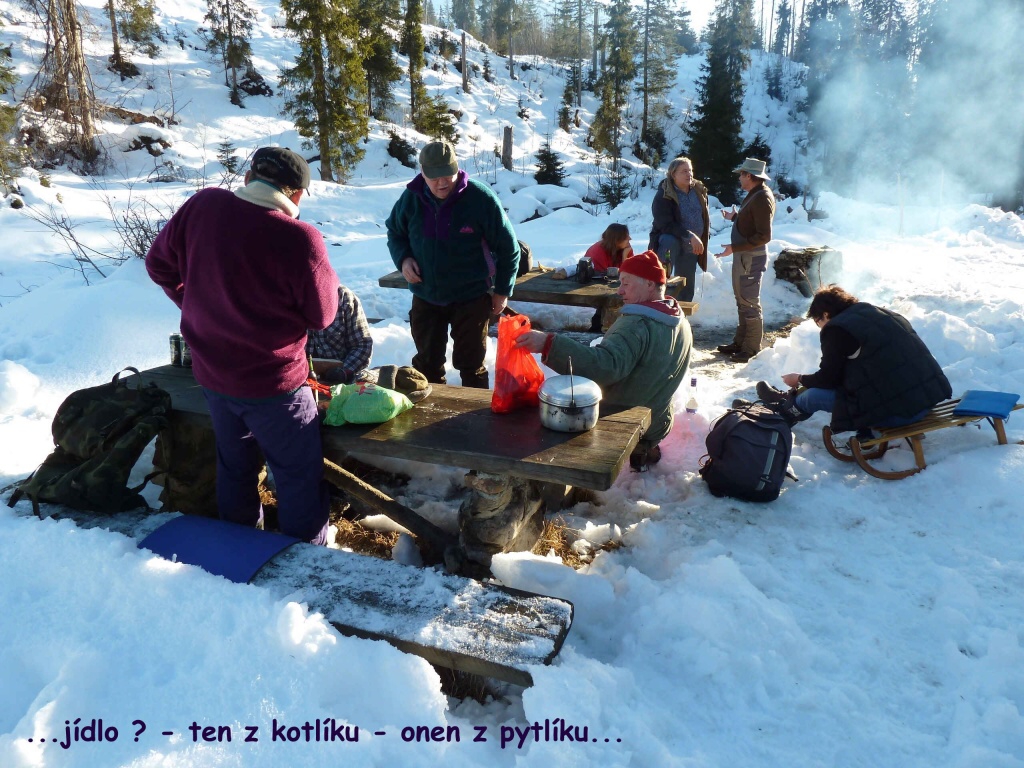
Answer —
99 434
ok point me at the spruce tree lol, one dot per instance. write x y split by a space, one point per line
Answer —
550 169
136 20
327 85
657 72
782 28
230 29
615 84
382 71
464 15
413 45
715 144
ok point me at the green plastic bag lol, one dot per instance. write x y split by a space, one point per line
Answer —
364 403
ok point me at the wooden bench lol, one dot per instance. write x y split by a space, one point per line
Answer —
941 416
451 621
542 288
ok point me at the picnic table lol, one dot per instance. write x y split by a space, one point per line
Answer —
455 427
541 287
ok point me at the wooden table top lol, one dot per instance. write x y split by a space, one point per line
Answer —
542 288
455 427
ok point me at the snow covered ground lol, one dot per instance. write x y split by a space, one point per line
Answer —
853 622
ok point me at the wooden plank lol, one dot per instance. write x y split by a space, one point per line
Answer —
455 427
542 288
451 621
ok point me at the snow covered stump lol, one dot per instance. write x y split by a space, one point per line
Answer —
503 513
809 268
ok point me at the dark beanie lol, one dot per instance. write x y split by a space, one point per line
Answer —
281 166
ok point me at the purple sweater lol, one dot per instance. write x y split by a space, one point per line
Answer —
250 281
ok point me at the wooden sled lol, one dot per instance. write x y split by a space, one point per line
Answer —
941 416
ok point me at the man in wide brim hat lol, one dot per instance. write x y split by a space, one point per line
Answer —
755 168
751 232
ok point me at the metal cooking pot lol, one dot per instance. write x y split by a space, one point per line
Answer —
569 403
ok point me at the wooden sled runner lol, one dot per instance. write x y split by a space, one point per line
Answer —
950 413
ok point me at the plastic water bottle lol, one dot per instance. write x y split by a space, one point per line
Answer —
691 402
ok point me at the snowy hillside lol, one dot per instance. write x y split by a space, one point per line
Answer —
852 622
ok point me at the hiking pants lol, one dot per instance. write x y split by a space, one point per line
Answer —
684 263
468 320
747 269
287 431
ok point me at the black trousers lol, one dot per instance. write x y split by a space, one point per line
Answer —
468 322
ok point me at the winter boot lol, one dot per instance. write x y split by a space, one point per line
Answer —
766 393
788 410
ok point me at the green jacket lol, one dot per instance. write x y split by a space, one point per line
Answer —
464 245
640 361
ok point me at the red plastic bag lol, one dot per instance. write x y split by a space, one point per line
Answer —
517 374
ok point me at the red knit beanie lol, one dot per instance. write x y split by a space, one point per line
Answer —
646 265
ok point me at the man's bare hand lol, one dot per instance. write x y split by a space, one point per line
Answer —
411 270
498 304
791 380
532 341
696 245
727 251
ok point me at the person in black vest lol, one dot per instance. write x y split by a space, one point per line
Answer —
875 371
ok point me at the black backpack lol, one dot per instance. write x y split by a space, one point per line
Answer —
98 435
748 454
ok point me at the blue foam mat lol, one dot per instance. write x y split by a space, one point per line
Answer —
977 402
233 551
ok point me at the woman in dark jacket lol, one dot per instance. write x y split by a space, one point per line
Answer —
681 224
875 371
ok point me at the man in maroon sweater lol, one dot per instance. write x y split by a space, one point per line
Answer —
251 280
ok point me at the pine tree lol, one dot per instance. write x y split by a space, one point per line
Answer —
230 29
413 45
327 85
375 18
437 121
570 40
782 28
715 144
550 169
656 71
615 83
136 20
464 15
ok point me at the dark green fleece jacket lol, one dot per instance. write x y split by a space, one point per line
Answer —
464 245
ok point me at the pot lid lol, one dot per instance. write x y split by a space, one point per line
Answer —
557 391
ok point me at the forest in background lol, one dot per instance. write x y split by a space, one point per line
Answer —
915 88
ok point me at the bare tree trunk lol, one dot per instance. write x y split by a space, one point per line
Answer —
594 64
79 74
465 65
647 59
579 53
324 137
506 148
116 61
